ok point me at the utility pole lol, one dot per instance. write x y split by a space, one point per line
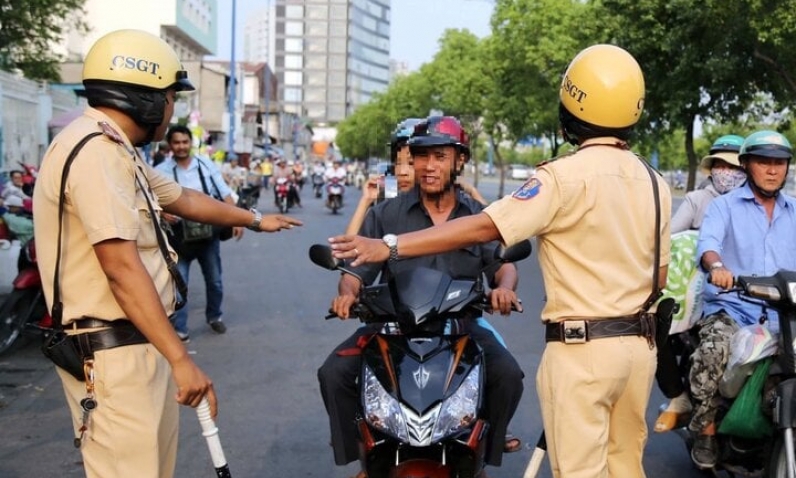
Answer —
232 87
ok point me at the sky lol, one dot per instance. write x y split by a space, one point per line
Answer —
415 28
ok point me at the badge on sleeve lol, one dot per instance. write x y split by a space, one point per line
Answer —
528 190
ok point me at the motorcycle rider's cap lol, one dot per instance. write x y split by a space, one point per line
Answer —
14 201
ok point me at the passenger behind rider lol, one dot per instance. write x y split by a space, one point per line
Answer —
439 147
748 231
726 174
19 222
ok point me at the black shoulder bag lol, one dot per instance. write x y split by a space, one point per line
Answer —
59 347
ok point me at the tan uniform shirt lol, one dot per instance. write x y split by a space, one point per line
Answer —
593 213
103 201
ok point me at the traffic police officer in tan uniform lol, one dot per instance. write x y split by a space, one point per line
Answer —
116 290
593 213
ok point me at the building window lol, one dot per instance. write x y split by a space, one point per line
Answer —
293 95
294 28
337 45
317 12
294 45
338 12
294 11
294 78
317 28
295 62
316 62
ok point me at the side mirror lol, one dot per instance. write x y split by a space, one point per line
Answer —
322 256
515 253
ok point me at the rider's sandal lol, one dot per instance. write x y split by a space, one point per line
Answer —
669 420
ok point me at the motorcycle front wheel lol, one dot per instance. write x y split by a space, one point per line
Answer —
14 314
778 462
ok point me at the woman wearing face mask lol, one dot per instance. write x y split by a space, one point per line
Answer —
726 174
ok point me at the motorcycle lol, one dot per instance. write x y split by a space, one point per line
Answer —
249 196
334 194
773 456
284 201
24 310
317 184
421 387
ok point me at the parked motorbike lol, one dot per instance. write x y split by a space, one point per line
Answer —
284 201
317 184
771 457
421 388
24 310
249 196
334 194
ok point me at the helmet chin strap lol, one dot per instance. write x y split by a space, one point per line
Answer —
765 194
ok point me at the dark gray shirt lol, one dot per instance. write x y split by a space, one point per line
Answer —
406 213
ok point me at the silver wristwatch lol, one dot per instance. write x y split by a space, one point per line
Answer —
392 242
258 218
716 265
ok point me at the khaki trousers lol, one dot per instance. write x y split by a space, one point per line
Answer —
133 431
593 398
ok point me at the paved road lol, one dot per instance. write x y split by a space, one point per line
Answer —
272 421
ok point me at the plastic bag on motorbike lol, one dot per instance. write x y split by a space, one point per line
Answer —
685 281
751 343
746 418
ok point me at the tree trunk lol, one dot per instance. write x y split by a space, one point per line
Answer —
690 153
499 166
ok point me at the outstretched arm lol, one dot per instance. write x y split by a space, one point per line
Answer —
449 236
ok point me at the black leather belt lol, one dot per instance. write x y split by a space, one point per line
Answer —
118 333
581 331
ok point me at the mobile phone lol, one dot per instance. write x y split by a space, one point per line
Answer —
390 186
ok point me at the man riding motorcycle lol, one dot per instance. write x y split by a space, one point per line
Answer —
439 146
747 231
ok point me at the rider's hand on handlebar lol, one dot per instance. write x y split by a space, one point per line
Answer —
502 300
721 277
341 305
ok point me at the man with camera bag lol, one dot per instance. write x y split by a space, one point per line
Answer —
195 240
108 275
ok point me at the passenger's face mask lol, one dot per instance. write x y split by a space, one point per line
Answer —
726 179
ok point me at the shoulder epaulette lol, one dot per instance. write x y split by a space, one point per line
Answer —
110 133
548 161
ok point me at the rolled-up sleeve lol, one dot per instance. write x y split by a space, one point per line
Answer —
713 230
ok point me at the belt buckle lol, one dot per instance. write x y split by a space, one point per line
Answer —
574 332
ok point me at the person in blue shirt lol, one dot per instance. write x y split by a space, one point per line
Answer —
747 231
201 174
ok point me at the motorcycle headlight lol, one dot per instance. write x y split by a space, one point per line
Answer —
382 411
459 410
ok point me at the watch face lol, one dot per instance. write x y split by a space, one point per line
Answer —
391 240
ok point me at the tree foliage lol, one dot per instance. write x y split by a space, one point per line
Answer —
728 66
29 28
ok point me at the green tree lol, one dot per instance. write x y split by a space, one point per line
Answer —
28 30
701 59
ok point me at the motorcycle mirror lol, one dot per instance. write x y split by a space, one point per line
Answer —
515 253
322 256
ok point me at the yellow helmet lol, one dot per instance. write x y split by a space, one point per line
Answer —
137 58
604 87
